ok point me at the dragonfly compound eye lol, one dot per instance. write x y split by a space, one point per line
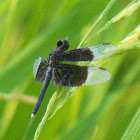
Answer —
63 44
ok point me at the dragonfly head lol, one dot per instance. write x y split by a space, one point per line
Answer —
63 44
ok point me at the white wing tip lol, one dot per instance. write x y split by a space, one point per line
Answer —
36 65
103 50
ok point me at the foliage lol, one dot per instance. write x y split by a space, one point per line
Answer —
29 29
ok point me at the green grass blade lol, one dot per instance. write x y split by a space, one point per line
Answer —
58 100
29 29
133 129
105 11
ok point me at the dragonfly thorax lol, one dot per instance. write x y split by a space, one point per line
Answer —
52 61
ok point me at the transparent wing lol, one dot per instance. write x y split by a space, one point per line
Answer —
97 75
103 50
39 69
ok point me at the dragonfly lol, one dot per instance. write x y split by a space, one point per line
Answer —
71 75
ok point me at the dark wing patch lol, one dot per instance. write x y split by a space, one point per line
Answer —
69 75
94 52
83 54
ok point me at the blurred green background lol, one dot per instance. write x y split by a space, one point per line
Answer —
108 111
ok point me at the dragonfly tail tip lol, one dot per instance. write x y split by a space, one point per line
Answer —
32 115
